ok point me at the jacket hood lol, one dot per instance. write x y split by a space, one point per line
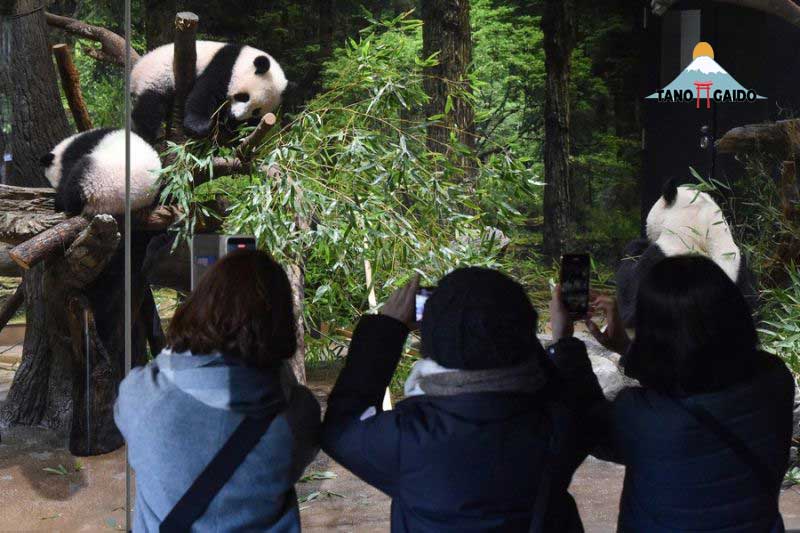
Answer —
221 382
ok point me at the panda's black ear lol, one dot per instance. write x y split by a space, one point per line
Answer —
47 160
262 64
670 191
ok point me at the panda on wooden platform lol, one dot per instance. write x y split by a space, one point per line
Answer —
248 80
88 172
682 221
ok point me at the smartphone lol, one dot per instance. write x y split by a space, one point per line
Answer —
575 270
423 293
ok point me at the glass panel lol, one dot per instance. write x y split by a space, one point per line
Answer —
62 460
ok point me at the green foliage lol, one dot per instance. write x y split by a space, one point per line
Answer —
780 331
354 165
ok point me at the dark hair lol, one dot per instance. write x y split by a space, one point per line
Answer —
477 319
242 307
694 331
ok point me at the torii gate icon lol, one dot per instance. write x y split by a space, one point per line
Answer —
703 86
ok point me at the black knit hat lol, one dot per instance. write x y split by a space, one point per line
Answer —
479 319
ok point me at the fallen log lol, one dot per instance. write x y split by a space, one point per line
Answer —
779 139
70 81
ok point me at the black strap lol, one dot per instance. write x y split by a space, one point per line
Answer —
196 500
762 473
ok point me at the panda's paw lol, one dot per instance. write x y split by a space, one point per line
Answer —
197 128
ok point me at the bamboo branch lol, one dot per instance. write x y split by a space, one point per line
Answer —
10 307
112 45
70 81
184 66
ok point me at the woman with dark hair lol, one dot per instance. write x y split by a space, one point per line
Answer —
705 438
483 440
218 431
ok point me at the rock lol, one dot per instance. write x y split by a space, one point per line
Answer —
605 365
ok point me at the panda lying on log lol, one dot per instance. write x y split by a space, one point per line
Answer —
88 172
247 80
682 221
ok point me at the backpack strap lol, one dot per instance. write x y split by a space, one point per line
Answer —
196 500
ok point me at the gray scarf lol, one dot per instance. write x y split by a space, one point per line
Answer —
526 378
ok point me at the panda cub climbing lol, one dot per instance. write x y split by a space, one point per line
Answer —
683 221
88 172
248 80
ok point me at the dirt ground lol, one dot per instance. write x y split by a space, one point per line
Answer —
44 488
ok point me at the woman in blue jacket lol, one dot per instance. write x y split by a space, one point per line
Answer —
217 430
705 439
484 440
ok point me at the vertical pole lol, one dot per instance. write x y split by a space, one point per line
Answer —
127 245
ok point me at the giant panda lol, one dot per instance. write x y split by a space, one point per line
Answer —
684 220
88 172
249 80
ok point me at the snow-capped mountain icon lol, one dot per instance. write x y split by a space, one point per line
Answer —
703 70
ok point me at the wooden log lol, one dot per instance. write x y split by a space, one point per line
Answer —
184 66
251 143
56 239
92 250
779 139
70 81
112 45
8 268
12 305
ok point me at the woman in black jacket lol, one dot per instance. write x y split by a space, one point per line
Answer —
705 439
483 441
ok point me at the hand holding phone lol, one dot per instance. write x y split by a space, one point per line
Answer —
575 270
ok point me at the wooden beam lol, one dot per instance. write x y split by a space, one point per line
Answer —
184 66
112 45
56 239
70 81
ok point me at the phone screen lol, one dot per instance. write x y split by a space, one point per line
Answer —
423 293
575 269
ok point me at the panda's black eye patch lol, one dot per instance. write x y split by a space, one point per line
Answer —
47 160
262 64
241 97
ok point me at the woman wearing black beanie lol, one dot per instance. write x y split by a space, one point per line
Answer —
485 439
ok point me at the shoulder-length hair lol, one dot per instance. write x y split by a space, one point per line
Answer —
242 308
694 330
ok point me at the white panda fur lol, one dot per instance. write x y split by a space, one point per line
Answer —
693 223
683 221
223 72
88 172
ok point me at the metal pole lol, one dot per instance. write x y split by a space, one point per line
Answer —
128 303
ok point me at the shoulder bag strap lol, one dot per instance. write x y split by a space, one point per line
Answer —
196 500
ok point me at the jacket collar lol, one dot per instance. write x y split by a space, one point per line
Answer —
221 382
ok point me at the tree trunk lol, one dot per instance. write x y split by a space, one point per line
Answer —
446 30
558 26
38 121
159 22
